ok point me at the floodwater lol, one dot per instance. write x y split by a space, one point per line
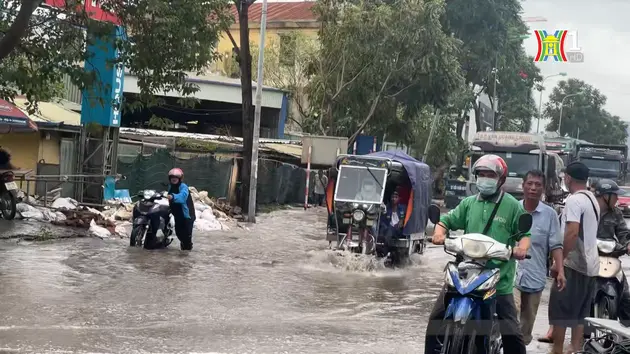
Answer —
271 289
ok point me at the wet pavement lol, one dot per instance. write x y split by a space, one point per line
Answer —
272 289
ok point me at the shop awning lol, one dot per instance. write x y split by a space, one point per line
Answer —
13 120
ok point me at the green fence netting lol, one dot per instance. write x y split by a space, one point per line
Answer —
205 172
278 183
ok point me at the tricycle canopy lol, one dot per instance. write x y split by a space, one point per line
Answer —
395 171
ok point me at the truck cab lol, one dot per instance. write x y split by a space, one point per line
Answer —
604 161
522 152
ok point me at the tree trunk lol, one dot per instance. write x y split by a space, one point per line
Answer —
245 63
14 34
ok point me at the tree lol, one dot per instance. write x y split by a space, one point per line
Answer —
516 106
243 57
583 114
490 32
166 41
379 64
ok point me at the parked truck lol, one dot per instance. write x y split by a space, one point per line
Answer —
522 152
604 161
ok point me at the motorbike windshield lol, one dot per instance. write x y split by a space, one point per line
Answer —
360 184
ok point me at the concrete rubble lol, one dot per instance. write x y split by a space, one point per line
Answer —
115 220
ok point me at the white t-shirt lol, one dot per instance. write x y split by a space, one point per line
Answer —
577 208
395 219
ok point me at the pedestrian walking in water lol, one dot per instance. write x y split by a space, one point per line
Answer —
321 182
531 275
569 305
182 208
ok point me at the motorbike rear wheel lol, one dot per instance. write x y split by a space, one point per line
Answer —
137 235
9 205
457 341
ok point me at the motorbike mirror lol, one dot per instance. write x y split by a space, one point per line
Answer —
525 222
434 214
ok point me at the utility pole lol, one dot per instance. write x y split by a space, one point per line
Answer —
562 108
433 126
542 87
253 178
494 94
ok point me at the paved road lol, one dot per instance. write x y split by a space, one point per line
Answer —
271 289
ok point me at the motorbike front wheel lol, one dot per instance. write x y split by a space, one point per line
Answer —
606 307
9 207
456 341
137 235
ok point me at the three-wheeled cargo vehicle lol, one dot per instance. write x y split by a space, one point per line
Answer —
358 199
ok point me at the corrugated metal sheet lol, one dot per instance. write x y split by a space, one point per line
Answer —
215 89
287 149
51 112
67 164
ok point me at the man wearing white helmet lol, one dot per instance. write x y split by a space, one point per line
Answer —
493 213
182 208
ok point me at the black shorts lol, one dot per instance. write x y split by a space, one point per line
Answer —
569 307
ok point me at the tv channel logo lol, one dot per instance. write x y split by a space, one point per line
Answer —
553 46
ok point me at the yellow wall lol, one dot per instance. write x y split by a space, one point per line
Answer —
29 148
49 149
272 34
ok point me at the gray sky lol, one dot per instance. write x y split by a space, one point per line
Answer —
603 32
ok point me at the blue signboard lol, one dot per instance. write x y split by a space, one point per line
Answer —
365 145
101 102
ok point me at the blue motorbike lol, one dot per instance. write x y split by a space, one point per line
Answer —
470 319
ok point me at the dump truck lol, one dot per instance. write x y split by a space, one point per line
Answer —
522 152
604 161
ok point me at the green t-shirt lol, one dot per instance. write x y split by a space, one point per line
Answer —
472 214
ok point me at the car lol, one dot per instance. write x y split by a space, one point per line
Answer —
624 201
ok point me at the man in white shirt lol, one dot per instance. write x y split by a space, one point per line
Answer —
369 191
568 307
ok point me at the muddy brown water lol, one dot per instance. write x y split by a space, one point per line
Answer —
271 289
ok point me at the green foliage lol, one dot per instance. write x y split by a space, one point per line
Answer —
378 65
197 145
166 41
160 123
583 114
492 34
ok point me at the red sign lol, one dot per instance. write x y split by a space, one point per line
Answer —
91 7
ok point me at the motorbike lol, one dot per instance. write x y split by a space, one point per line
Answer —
151 203
472 290
8 195
609 281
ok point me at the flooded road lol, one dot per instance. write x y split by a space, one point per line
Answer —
272 289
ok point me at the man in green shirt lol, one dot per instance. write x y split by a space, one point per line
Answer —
473 216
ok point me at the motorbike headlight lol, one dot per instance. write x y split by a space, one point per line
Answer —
606 246
490 283
358 215
355 205
448 279
148 194
474 248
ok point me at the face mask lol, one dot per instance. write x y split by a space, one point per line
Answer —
487 186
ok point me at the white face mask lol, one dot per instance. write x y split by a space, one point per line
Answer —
487 186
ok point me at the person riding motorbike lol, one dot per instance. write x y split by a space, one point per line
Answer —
182 208
473 216
368 190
